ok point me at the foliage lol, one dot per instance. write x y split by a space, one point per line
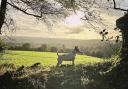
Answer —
89 76
26 46
3 46
53 49
49 11
43 48
97 50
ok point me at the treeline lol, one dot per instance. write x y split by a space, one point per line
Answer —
29 47
105 50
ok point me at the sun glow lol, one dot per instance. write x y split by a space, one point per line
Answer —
74 19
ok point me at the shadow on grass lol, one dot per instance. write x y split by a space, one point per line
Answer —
89 76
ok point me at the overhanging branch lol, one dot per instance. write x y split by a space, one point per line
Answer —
24 11
115 7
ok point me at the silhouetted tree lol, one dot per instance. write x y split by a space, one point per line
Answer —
2 12
118 74
26 46
53 49
41 9
43 48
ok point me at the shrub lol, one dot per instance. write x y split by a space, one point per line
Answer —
26 46
42 48
53 49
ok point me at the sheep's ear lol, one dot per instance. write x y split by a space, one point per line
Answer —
76 48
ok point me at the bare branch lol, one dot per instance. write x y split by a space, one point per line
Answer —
41 8
115 7
24 11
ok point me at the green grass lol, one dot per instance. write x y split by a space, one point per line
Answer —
28 58
88 73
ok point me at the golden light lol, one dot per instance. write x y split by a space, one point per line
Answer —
74 19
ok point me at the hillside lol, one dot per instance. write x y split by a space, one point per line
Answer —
69 43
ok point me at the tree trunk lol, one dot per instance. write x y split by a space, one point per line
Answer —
2 13
119 74
122 24
124 50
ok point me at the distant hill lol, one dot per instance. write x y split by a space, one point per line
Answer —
69 43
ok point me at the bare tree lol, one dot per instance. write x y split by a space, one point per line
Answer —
39 9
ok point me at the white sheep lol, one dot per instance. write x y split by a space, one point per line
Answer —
68 56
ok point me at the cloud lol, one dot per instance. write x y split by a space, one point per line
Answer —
28 26
75 30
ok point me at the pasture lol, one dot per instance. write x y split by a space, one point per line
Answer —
28 58
88 72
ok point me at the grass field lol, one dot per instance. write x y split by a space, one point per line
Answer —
88 73
28 58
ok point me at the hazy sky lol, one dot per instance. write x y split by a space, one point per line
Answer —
72 27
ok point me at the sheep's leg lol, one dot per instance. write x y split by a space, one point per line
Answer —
59 62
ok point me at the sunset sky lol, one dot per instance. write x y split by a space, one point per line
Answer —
71 27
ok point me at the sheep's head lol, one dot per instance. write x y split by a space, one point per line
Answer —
76 50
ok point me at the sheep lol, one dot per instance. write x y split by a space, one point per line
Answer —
68 57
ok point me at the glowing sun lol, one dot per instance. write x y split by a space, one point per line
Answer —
74 19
